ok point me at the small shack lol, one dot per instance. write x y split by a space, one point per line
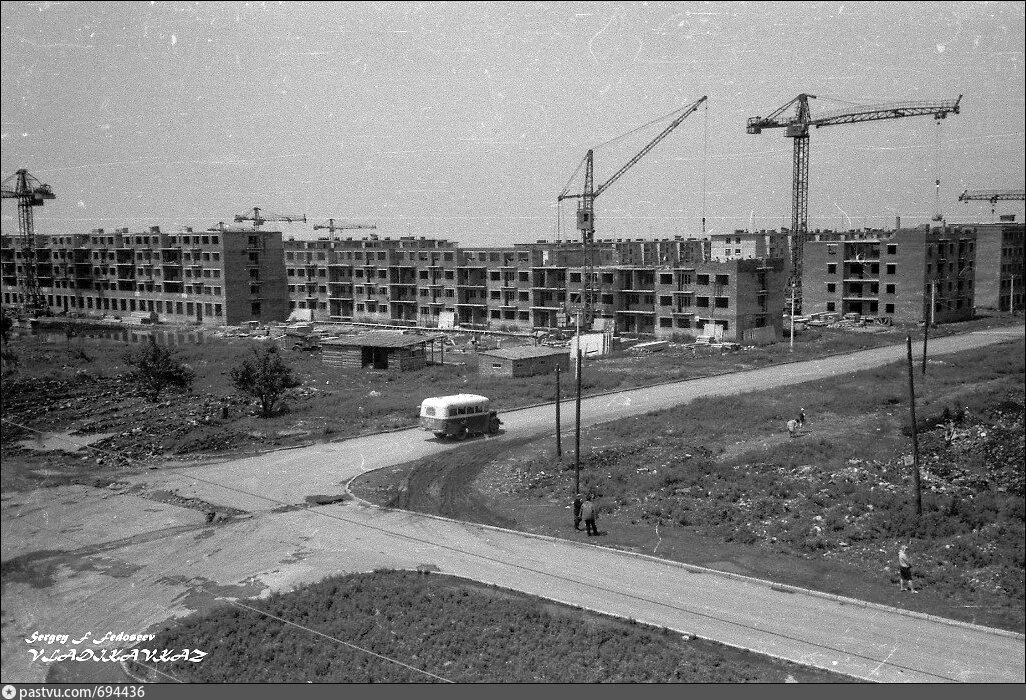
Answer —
522 361
380 350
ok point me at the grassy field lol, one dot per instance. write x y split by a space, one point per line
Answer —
449 627
77 387
719 483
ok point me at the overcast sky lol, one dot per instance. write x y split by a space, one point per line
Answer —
466 120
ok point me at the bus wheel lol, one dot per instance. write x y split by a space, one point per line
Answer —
462 434
440 434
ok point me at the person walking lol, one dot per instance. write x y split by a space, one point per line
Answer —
588 514
905 567
801 419
578 502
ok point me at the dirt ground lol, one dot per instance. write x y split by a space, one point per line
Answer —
829 537
74 389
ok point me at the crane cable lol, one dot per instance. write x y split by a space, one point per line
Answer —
569 182
937 167
665 117
705 162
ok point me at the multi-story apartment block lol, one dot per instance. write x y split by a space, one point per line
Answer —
372 279
535 286
893 274
664 251
1000 265
721 298
219 276
750 244
230 275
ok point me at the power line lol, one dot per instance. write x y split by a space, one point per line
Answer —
521 567
336 639
229 600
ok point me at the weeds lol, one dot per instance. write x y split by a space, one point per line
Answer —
465 632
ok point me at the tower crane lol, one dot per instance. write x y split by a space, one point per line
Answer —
797 126
331 227
586 203
992 196
258 218
30 193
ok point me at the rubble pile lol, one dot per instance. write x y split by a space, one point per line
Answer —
90 404
969 537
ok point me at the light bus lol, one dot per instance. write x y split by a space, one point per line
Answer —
458 416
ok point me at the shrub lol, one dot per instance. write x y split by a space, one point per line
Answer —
266 377
158 368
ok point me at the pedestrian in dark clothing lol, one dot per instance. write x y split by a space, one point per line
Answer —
588 514
578 501
801 419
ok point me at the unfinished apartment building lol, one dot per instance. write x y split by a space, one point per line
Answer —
533 286
407 281
750 244
1000 263
215 277
893 274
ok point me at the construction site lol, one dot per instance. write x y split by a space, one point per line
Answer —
694 352
736 287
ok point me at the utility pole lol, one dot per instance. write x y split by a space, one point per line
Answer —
577 431
931 320
577 370
915 431
559 436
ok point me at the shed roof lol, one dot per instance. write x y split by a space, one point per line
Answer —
521 352
378 339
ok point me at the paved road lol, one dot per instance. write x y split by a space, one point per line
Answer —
136 582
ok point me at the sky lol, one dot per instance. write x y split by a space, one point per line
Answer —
465 121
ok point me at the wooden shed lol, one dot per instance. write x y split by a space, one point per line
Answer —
523 361
380 350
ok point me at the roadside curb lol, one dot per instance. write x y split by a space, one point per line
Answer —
783 587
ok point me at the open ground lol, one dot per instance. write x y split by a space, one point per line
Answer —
64 568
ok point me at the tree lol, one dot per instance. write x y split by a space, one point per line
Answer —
157 368
265 376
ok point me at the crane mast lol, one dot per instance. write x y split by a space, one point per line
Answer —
30 193
797 127
586 206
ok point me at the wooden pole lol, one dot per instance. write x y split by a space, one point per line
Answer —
559 436
933 304
915 431
926 326
577 431
577 370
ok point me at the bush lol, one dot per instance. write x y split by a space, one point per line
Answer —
266 377
157 368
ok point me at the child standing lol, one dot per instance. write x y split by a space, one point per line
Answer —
905 567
